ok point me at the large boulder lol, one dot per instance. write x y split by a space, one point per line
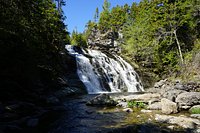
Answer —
195 109
168 106
102 100
188 99
172 94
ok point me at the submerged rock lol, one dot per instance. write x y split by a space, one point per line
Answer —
102 100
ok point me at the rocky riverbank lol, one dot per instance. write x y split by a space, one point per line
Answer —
170 102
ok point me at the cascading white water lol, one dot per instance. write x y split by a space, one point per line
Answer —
101 73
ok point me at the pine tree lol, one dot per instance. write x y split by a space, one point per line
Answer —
96 15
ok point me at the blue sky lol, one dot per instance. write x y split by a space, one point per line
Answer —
79 12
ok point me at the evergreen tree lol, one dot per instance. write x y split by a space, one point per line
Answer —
96 15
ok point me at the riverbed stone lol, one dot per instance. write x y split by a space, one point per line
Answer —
196 107
102 100
129 110
195 116
140 97
122 104
182 121
155 106
188 99
168 106
146 111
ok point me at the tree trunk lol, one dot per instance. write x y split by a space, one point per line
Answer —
179 47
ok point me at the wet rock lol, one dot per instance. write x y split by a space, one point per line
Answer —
195 116
155 106
172 94
102 100
33 122
170 127
185 107
168 106
122 104
188 99
13 107
128 110
66 91
182 121
146 111
52 100
141 97
196 107
62 81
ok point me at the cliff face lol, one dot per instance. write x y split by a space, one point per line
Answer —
104 41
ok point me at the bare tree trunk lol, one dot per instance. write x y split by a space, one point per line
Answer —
179 47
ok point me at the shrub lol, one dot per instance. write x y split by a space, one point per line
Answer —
132 104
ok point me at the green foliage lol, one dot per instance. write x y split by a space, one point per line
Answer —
132 104
195 111
78 39
32 36
159 32
158 35
96 15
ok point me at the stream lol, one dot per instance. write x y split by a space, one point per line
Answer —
80 118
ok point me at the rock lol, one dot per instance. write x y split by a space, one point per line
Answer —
128 110
62 81
195 116
52 100
32 122
140 97
122 104
188 99
66 91
170 127
192 85
154 100
182 121
185 107
102 100
160 83
155 106
104 41
180 86
146 111
168 106
196 107
172 94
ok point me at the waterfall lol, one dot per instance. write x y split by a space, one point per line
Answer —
101 73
